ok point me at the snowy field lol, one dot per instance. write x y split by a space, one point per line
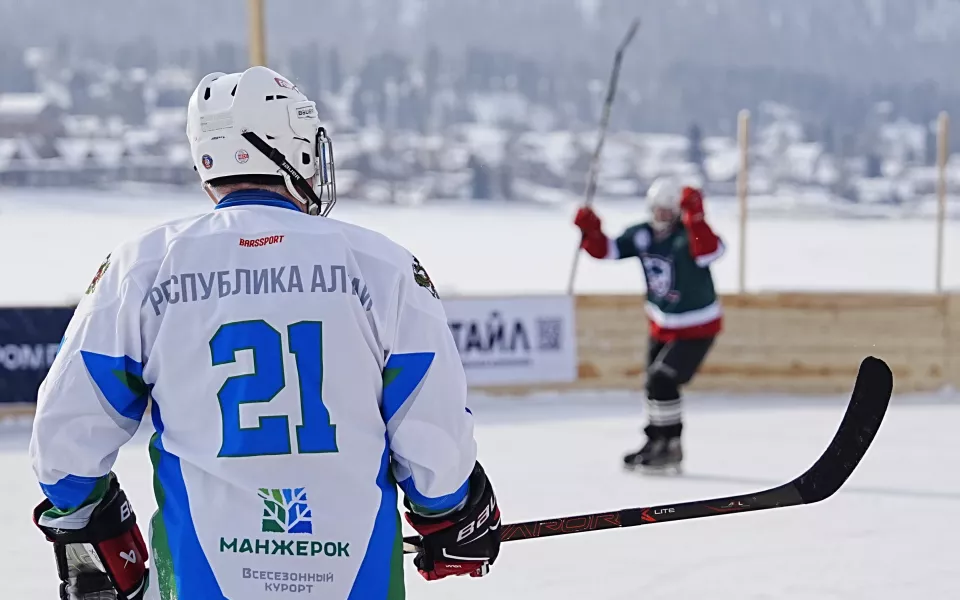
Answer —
52 244
888 534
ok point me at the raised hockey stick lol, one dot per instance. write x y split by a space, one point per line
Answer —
868 404
604 120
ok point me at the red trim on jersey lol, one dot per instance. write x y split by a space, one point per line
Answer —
707 330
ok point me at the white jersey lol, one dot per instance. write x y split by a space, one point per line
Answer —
297 369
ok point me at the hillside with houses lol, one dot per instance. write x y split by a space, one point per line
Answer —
408 131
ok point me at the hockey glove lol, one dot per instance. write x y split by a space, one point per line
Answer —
691 205
704 243
99 558
466 542
594 241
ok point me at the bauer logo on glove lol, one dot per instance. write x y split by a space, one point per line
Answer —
477 541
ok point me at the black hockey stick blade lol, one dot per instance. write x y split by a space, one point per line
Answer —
868 405
861 421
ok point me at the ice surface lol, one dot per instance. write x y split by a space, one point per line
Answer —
52 244
890 533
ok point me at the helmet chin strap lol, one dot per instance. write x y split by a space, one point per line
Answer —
298 187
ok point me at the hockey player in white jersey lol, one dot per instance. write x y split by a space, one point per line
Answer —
296 369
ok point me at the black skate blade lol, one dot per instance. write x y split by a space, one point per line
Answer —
658 471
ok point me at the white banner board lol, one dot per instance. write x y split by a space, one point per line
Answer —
515 340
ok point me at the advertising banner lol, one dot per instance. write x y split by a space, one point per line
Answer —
29 339
515 340
524 340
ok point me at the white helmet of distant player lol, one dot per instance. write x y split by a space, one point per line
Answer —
663 200
257 123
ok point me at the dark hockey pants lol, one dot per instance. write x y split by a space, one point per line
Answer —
669 366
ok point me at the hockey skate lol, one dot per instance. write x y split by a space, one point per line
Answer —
658 456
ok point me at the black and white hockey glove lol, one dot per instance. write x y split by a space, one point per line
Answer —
466 542
102 557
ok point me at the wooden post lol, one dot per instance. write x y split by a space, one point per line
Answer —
943 152
258 43
743 138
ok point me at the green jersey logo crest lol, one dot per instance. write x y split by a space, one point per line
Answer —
423 279
285 510
96 278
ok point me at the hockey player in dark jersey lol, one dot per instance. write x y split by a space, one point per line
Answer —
676 248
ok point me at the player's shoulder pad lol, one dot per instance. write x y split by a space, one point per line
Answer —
641 235
134 261
381 247
367 241
645 226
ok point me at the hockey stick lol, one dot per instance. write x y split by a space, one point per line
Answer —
868 404
604 120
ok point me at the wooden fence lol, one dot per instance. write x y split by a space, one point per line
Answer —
782 343
797 343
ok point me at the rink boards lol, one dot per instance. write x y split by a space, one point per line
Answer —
799 343
783 342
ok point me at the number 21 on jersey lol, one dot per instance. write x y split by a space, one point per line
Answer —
272 435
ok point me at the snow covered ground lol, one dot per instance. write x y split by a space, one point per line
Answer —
888 534
52 244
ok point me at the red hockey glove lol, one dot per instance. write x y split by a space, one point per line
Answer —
587 220
691 205
594 241
466 542
105 558
703 241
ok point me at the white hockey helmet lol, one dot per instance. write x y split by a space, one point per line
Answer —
663 198
258 123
